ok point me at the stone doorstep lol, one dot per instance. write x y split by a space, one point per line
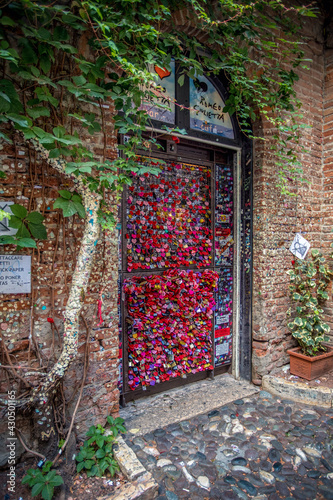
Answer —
182 403
297 391
141 484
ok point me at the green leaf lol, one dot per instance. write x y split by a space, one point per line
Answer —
37 489
28 54
22 232
19 211
26 243
108 447
100 453
181 80
35 217
7 21
60 34
91 472
80 209
67 206
38 111
47 466
77 197
59 132
298 321
7 240
47 492
315 252
20 120
32 476
91 453
100 441
44 34
57 480
113 468
119 420
51 474
81 455
15 222
104 464
45 63
84 166
4 103
88 464
38 231
79 80
65 194
80 466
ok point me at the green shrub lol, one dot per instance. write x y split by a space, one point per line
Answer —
43 481
308 283
96 455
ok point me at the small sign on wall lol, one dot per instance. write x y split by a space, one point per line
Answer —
299 247
5 230
15 274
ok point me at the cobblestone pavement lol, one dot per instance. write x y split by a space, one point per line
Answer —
258 447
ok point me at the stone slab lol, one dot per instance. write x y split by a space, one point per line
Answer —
298 391
141 485
144 488
128 462
151 413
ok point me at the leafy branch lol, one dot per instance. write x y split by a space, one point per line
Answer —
238 42
28 226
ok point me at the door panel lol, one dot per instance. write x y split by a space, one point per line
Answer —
177 273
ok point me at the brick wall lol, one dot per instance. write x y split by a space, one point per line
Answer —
327 197
277 218
30 182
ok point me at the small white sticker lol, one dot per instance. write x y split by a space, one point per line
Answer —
300 246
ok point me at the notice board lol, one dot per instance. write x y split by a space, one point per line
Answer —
15 274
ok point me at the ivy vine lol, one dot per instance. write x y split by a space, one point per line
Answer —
53 83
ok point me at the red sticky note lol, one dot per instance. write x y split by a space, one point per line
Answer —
222 332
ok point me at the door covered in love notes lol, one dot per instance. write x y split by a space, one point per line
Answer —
177 271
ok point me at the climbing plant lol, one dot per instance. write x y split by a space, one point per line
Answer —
64 64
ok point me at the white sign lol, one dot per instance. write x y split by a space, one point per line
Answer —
5 230
222 319
300 246
15 274
221 349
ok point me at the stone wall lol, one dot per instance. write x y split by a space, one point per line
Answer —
32 340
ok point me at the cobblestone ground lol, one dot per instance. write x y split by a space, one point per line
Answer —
258 447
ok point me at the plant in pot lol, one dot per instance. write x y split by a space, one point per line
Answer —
309 280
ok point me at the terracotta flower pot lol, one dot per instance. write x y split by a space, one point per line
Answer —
310 367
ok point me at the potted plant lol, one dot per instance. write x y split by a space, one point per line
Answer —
308 283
